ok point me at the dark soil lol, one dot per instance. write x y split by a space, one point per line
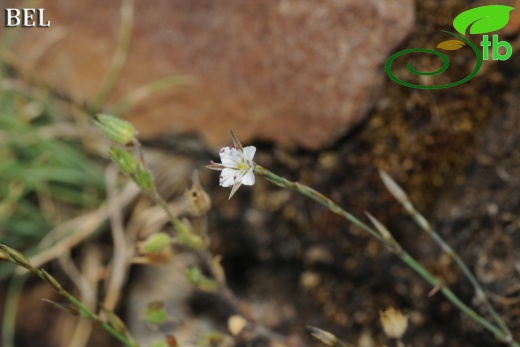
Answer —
455 151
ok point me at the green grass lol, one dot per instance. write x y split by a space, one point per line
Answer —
43 180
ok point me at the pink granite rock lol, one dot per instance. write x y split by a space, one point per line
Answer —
297 72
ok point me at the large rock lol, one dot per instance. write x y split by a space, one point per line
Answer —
300 73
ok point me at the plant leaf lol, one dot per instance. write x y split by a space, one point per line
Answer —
451 45
483 19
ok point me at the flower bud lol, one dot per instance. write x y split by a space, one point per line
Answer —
154 313
394 323
198 200
116 129
197 278
123 159
155 243
194 275
236 324
144 179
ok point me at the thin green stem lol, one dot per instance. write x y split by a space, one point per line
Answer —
316 196
400 195
424 225
403 255
158 199
11 255
448 293
85 312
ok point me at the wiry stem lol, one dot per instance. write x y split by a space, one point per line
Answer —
316 196
419 219
401 253
158 199
119 331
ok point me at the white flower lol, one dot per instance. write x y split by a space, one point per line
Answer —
237 167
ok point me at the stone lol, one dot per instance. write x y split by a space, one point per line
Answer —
298 73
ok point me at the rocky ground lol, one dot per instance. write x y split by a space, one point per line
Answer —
454 151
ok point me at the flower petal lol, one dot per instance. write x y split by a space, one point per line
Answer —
227 177
228 156
249 153
249 178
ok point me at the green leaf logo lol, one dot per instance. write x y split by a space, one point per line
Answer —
483 19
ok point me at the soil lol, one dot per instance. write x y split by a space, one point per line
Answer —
455 151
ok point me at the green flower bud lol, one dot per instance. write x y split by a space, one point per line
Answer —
155 243
123 159
154 313
195 277
116 129
144 179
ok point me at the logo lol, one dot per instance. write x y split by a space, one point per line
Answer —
479 20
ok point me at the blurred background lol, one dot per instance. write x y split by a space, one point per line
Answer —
304 82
